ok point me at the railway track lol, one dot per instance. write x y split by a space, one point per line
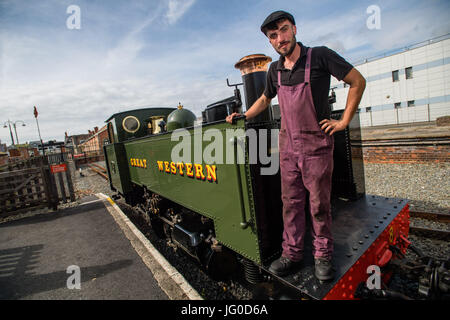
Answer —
430 233
441 219
98 169
438 217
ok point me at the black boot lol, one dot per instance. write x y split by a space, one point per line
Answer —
324 269
283 266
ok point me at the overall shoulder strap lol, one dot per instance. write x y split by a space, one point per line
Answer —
308 66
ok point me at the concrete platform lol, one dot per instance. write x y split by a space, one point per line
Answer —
36 255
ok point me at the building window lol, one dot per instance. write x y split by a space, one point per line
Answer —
368 109
408 73
397 105
394 75
411 103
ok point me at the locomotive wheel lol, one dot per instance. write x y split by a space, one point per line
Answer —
158 227
221 265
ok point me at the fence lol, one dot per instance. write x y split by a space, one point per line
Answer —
35 183
87 157
405 115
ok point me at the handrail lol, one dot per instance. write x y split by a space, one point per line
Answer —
244 223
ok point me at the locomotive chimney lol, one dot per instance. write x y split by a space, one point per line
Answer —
254 70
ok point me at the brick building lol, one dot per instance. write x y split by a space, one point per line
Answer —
95 141
73 142
3 158
23 152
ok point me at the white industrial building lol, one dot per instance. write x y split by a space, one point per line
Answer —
412 85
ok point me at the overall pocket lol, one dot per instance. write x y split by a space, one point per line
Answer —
312 143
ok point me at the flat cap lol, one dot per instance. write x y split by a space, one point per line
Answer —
274 16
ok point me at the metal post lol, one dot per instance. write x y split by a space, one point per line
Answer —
396 112
15 131
61 186
70 183
61 153
10 132
39 131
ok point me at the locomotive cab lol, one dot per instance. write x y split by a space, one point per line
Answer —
123 126
133 124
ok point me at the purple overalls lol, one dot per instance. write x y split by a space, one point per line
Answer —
306 164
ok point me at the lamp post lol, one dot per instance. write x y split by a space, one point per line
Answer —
10 132
15 129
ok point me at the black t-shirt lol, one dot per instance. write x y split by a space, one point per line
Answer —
324 62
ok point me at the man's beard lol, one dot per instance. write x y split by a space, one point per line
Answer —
292 43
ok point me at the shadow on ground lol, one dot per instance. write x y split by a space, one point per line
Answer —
18 278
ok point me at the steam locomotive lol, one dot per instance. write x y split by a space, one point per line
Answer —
226 214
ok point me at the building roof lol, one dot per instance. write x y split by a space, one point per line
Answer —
403 49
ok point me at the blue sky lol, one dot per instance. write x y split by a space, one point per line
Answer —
129 54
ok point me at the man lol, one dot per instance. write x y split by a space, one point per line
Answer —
301 78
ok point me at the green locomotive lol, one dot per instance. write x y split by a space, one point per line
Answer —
224 212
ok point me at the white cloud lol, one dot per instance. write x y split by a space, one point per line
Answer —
177 8
347 32
77 107
77 83
130 46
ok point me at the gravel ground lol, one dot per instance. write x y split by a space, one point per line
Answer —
427 186
90 183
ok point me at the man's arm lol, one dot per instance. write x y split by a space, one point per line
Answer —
357 85
258 106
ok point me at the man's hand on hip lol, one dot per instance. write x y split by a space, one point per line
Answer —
331 126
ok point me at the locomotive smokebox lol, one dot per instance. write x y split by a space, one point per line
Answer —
254 71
